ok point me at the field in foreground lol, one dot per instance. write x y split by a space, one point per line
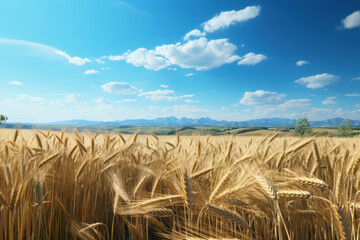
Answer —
57 185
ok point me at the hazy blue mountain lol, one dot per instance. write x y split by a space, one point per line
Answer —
173 121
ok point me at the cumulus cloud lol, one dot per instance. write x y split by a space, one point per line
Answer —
73 60
147 58
227 18
91 71
352 21
164 86
318 81
251 59
17 83
195 33
329 101
119 88
261 97
301 63
352 95
200 54
163 95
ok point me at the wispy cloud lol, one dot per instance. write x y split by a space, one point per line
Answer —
227 18
91 71
73 98
17 83
126 100
25 97
160 94
130 7
42 48
119 88
164 86
301 63
329 101
73 60
352 95
189 74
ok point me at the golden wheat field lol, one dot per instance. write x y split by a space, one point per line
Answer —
56 185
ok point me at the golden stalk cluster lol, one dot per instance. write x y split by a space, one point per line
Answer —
58 185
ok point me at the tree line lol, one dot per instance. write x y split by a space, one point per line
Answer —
302 127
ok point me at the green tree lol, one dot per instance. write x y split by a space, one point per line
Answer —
3 118
345 127
302 127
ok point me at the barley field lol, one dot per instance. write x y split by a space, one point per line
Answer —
57 185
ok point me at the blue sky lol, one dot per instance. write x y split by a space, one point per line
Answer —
227 60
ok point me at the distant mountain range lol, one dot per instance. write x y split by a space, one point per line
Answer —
173 121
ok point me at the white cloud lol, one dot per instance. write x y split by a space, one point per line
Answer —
318 81
101 100
227 18
24 97
147 58
73 97
200 54
100 60
195 33
126 100
261 97
189 74
116 58
356 78
42 48
163 95
352 21
172 69
352 95
301 63
191 101
164 86
15 83
119 88
74 60
189 110
290 108
91 71
251 59
329 101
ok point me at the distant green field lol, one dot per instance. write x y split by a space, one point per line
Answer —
191 130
